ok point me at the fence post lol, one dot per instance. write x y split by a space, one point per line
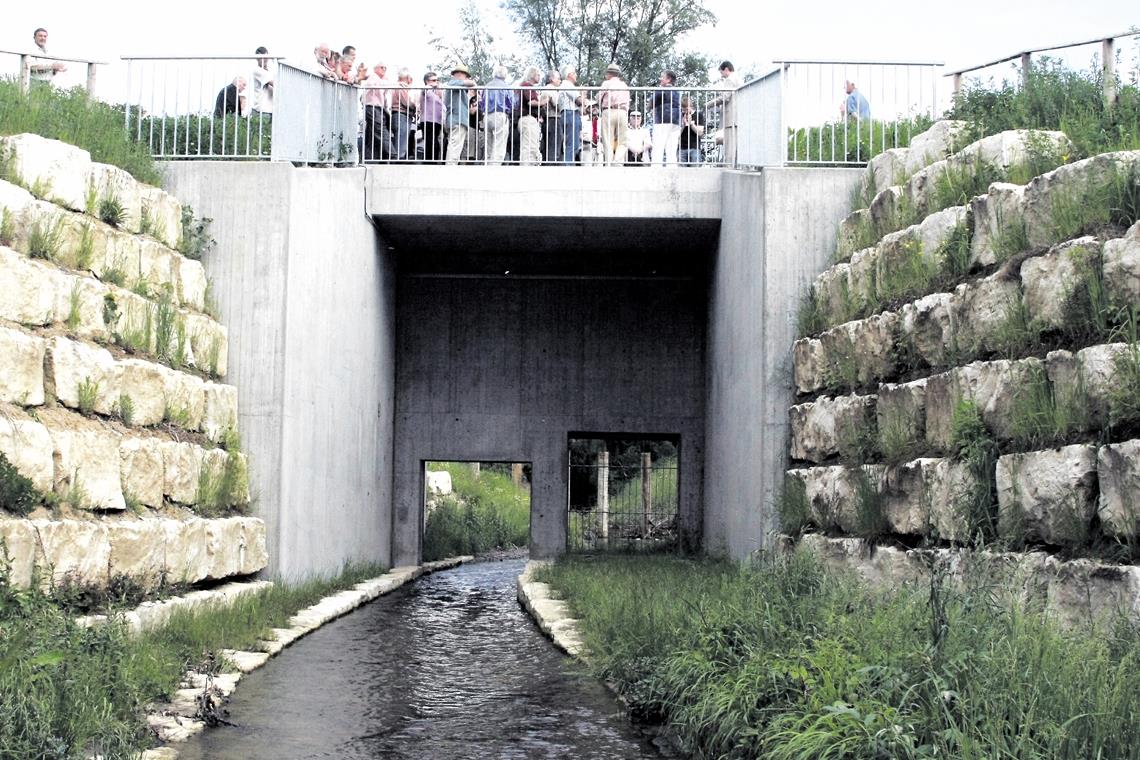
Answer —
646 491
25 74
474 469
957 80
1025 69
1108 66
604 495
517 474
90 79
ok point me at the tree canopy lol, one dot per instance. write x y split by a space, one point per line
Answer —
639 35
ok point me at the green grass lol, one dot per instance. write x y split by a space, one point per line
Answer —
852 140
484 512
18 494
205 136
787 660
71 692
70 116
972 444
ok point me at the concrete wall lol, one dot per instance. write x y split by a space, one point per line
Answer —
778 230
307 292
502 368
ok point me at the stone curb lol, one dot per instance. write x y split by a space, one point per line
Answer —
174 722
551 615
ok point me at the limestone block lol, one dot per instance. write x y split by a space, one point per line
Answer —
1082 590
81 298
927 328
885 207
49 218
137 548
190 281
185 557
220 412
185 398
155 265
980 310
831 288
900 414
27 289
145 384
847 241
994 213
89 459
438 482
863 348
1050 280
182 463
75 548
255 555
1048 496
1099 380
165 213
28 447
1118 470
808 363
832 493
113 183
225 547
18 548
216 461
936 229
142 469
861 283
72 365
831 426
1122 269
209 342
886 169
133 320
14 199
992 386
59 168
929 496
941 140
1016 146
1069 183
22 359
116 250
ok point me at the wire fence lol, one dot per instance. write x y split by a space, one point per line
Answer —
624 507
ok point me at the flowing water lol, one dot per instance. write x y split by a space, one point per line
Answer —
447 667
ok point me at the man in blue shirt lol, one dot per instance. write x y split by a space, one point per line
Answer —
854 104
496 105
458 94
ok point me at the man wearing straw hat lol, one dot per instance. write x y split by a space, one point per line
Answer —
459 90
613 98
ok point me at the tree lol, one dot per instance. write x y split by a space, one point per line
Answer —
476 47
638 35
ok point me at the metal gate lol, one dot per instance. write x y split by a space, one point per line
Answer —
616 504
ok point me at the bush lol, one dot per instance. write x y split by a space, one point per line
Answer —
484 512
17 493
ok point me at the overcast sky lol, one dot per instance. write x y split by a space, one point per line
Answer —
752 34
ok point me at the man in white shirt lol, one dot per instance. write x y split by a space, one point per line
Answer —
726 134
637 140
262 85
41 69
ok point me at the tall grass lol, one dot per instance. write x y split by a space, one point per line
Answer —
852 140
68 691
73 117
484 512
787 660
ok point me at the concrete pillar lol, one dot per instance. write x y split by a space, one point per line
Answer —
25 74
1026 59
646 491
604 495
1108 71
91 80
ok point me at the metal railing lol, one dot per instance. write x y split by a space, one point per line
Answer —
29 59
629 507
845 112
798 113
1025 59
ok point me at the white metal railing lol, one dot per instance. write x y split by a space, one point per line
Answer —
800 112
29 59
845 112
1108 50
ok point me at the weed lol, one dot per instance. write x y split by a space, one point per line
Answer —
811 318
863 234
141 287
960 181
41 188
899 439
88 393
870 505
76 495
126 409
177 415
907 276
111 211
44 239
209 301
841 375
7 228
1018 333
195 241
1124 395
73 315
1011 237
146 224
85 254
166 334
212 356
91 198
134 336
857 441
110 312
793 507
1089 317
116 274
972 444
953 255
18 494
223 485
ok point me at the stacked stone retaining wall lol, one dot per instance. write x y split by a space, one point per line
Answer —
112 394
971 375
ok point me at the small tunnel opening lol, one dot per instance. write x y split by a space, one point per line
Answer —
623 493
475 508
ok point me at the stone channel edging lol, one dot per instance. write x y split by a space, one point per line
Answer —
176 721
551 615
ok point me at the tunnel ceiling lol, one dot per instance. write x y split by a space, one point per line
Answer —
550 246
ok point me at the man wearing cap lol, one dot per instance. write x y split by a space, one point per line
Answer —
637 140
613 99
458 99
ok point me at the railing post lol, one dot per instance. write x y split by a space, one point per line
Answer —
91 79
1108 71
1025 69
957 80
25 74
604 495
646 491
517 474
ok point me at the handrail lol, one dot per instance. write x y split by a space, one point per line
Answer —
26 69
242 57
1031 51
38 54
858 63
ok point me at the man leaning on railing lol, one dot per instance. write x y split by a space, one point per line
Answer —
43 71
